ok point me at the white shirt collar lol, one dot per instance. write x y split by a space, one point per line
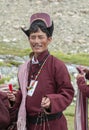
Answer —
34 61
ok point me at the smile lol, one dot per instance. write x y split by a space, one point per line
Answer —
37 46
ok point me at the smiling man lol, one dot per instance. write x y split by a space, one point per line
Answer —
45 85
39 42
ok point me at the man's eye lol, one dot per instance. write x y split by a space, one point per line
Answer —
41 37
32 37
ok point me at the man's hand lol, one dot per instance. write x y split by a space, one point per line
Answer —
11 95
45 103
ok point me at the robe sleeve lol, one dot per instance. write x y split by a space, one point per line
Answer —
63 87
4 113
83 86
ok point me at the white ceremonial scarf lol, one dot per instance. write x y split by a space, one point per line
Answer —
81 112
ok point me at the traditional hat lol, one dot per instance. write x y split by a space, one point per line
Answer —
39 16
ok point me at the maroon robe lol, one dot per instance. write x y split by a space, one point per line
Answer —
53 82
4 113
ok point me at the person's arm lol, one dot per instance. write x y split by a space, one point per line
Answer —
82 85
14 109
64 91
11 97
83 70
4 113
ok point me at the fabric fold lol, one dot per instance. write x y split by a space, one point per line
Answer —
81 112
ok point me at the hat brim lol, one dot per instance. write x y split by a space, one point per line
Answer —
25 31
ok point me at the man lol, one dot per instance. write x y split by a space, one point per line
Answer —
45 85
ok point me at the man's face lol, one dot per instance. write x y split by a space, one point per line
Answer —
39 41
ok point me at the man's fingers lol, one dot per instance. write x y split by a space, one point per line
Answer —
45 102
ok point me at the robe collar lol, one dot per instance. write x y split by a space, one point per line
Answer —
40 59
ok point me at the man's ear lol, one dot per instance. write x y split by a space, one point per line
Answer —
49 40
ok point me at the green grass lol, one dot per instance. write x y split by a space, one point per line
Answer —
2 81
79 58
6 49
69 114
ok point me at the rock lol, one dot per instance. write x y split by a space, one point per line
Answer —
6 40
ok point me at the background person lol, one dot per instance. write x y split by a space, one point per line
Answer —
4 111
81 109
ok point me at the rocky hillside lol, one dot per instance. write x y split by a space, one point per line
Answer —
71 19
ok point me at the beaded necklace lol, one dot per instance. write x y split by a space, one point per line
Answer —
28 88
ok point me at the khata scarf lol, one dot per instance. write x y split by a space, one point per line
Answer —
22 76
81 112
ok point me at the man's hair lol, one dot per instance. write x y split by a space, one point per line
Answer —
34 27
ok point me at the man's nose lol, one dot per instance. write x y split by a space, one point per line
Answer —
37 40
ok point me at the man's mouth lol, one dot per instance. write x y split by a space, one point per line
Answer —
37 46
